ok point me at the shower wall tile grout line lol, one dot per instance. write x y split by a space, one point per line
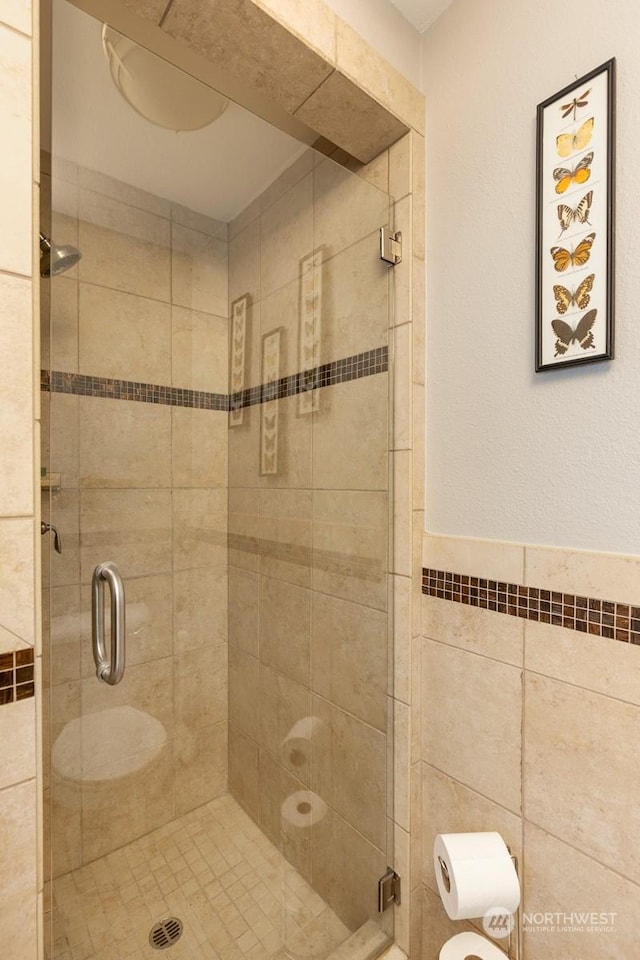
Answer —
597 617
355 367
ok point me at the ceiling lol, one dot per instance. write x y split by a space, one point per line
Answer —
421 13
217 170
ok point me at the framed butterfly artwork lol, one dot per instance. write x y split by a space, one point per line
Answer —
575 195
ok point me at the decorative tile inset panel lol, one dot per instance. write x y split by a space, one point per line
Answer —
310 328
237 353
269 422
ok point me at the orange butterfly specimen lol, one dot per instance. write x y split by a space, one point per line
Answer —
579 298
579 101
563 259
567 143
580 214
580 173
566 335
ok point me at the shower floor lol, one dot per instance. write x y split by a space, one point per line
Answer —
217 872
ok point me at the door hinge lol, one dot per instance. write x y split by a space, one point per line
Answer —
390 246
388 890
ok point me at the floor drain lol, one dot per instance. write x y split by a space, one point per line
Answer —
165 933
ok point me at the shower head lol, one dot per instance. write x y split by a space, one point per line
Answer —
55 259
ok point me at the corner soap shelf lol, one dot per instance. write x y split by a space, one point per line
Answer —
51 481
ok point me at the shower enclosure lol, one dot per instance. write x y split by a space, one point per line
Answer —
215 392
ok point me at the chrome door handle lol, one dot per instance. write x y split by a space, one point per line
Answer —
108 669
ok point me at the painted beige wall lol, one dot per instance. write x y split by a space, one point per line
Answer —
513 455
19 434
382 25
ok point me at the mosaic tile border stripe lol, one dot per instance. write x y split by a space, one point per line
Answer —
16 676
81 384
599 618
327 374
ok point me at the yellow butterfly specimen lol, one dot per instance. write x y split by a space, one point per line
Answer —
579 298
563 259
580 214
580 174
566 335
567 143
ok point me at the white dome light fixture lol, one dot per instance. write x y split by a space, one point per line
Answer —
157 90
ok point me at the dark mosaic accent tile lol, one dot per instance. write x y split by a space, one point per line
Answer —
16 676
360 365
108 388
24 674
24 691
601 618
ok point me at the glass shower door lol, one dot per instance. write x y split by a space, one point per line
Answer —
309 637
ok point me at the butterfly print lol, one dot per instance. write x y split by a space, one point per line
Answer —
580 173
563 258
580 214
579 298
566 335
577 103
567 143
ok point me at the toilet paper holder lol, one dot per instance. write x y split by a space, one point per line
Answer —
444 870
515 929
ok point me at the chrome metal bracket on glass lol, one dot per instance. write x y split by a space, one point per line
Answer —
389 890
390 247
108 669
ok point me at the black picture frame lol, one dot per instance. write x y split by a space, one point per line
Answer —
573 154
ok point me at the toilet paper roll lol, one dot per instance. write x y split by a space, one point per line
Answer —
475 873
466 945
296 745
303 809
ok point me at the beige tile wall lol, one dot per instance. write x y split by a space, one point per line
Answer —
531 729
144 485
19 432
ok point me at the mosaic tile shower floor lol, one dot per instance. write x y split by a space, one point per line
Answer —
216 871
